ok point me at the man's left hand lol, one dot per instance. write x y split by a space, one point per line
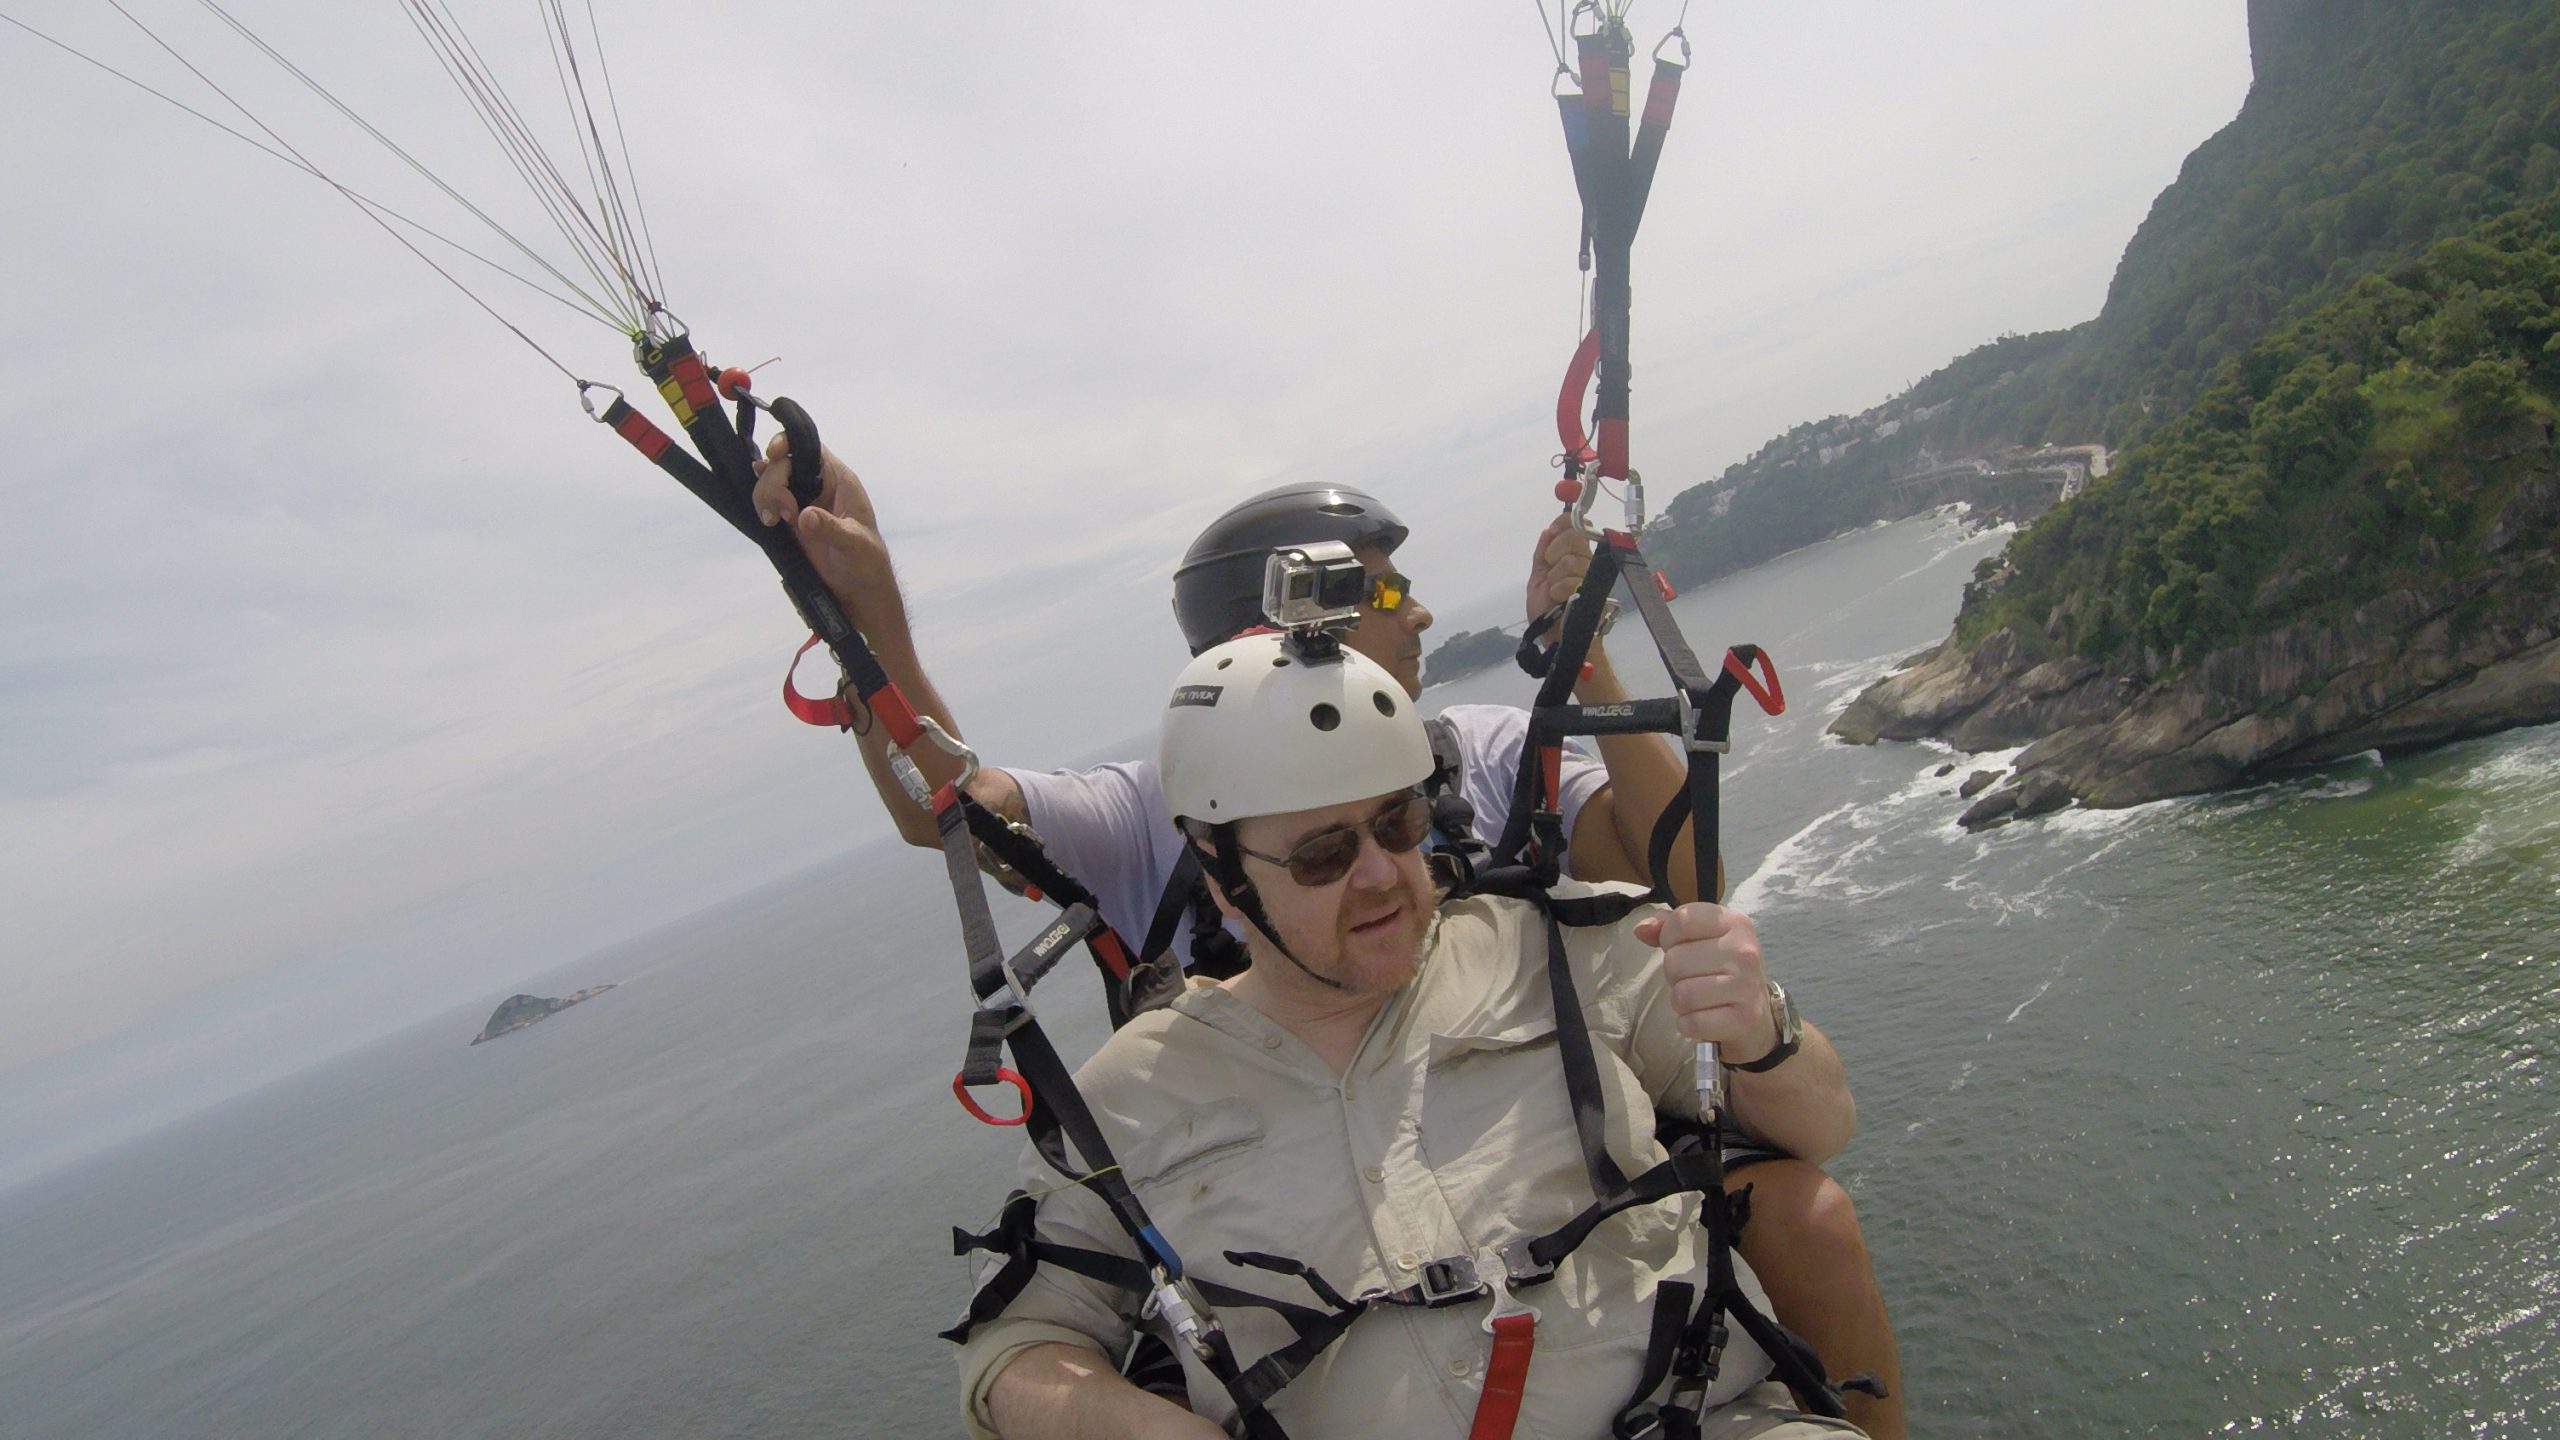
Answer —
1711 957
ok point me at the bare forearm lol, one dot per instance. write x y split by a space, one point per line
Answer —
895 651
1645 775
1802 1106
893 645
1061 1392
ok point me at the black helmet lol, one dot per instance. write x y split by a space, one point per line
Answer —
1217 590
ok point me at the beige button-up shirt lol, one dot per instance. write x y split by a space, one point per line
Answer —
1450 1133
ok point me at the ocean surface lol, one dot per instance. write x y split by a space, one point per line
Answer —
2218 1116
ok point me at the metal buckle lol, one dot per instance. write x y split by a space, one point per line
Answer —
911 777
1505 1304
1170 1300
1449 1281
1520 1268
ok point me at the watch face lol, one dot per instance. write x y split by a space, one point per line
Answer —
1783 1006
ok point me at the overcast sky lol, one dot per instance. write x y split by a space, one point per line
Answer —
339 652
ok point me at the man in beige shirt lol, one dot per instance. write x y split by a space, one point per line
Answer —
1380 1095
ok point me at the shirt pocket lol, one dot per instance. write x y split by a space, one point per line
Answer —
1495 1117
1194 1143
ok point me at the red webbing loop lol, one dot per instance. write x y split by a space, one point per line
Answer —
1659 99
828 710
1551 774
893 711
1108 948
1506 1377
646 438
1773 700
1007 1075
1662 582
1613 449
1577 382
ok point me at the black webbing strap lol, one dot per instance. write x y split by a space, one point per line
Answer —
1015 1236
1534 803
1671 1301
1613 181
1174 903
1581 1069
1130 984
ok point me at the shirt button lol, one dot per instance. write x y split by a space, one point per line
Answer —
1374 1175
1459 1367
1270 1042
1407 1260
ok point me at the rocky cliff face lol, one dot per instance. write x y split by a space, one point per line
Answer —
2412 668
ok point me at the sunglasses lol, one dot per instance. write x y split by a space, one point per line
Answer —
1388 590
1328 854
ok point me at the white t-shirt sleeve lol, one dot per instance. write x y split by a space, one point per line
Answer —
1107 827
1490 739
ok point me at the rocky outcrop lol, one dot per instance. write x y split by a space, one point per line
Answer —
517 1011
2409 669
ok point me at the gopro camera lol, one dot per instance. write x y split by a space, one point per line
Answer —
1314 588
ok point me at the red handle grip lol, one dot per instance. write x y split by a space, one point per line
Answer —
969 1103
1764 687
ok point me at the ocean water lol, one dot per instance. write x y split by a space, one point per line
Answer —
2216 1116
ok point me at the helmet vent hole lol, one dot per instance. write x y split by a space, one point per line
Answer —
1339 507
1324 717
1385 706
1279 662
1223 664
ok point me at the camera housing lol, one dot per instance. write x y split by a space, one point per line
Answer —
1310 589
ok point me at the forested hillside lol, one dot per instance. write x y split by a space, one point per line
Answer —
2375 129
2398 435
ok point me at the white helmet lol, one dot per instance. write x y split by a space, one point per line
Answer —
1255 729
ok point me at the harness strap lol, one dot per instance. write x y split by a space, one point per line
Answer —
1670 1316
1506 1377
1581 1069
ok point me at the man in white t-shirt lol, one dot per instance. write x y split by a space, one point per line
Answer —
1108 826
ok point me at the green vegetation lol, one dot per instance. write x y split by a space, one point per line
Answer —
2398 434
2313 355
2376 129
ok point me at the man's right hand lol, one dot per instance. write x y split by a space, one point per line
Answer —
839 533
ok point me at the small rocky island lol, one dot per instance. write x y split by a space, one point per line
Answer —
1467 652
518 1011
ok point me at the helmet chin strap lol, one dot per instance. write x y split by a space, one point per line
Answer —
1228 870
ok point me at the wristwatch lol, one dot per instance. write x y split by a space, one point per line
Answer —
1782 1007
